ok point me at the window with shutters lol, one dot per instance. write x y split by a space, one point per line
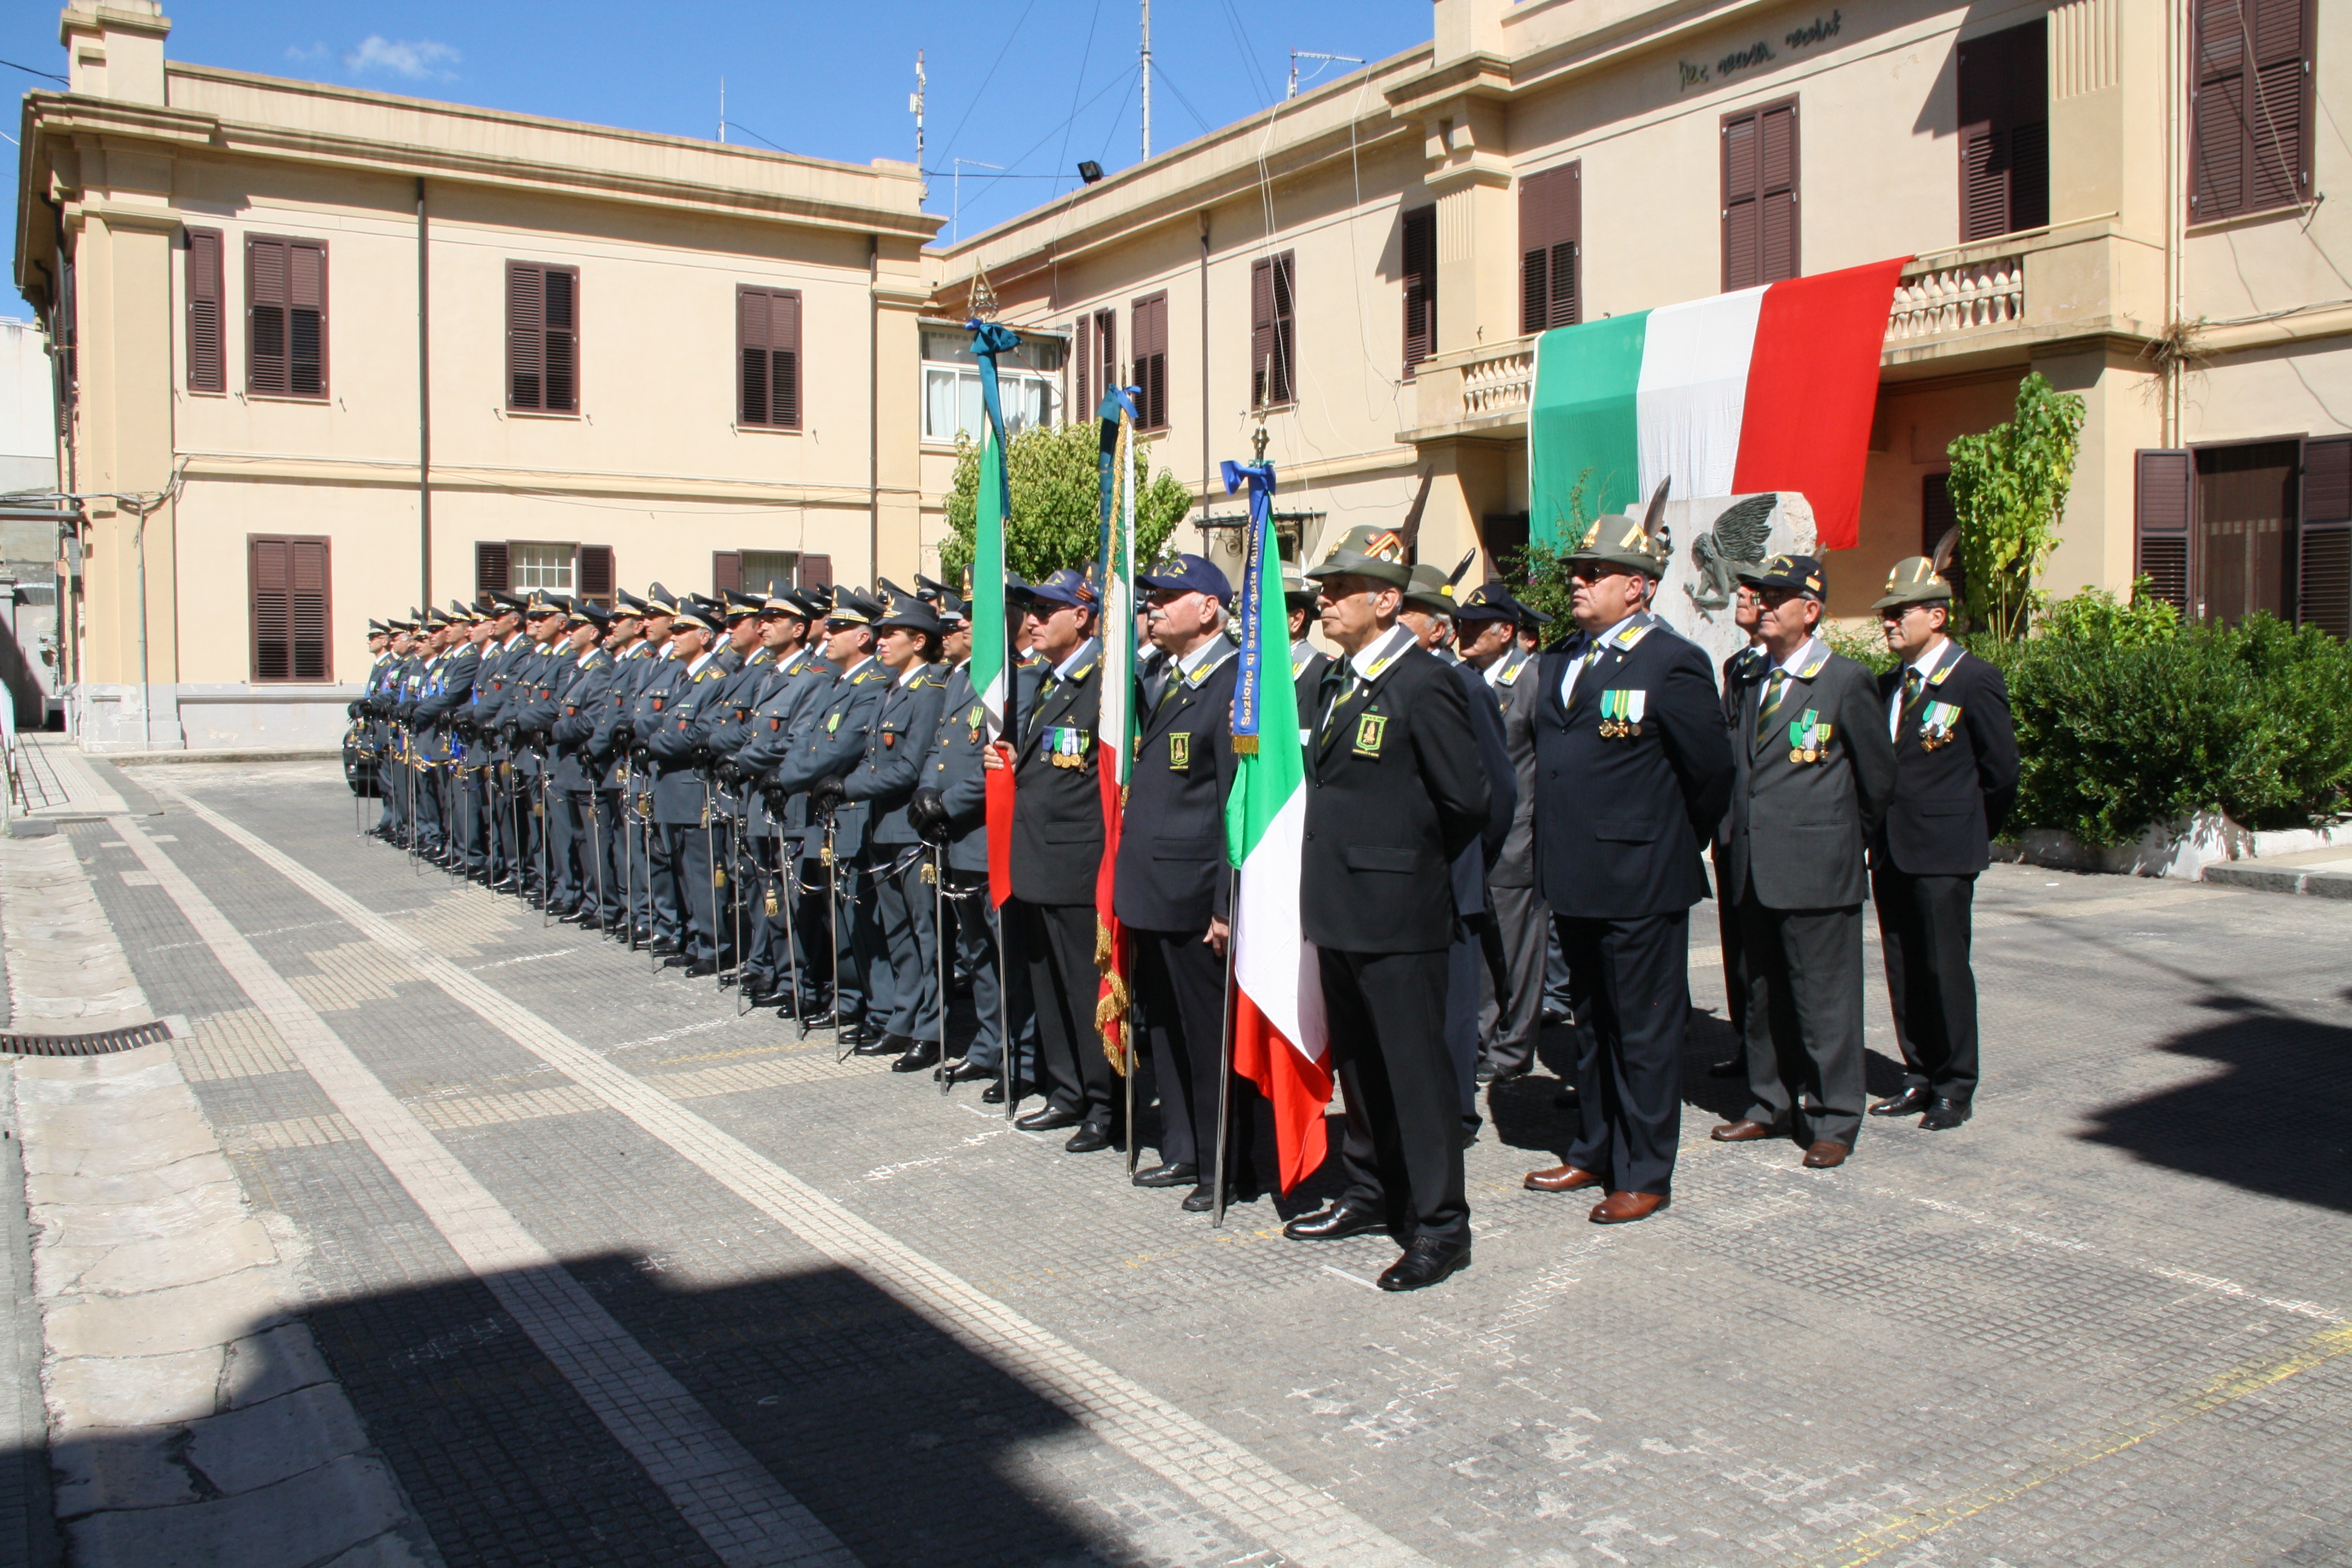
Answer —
2243 529
2162 498
1419 235
1106 366
287 580
2250 106
207 350
2324 579
542 337
1759 196
1150 333
768 357
1551 241
2004 141
286 317
816 574
1274 330
761 573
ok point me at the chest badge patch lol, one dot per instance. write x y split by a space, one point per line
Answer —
1371 729
1180 750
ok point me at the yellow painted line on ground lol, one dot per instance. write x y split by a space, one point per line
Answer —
2220 1394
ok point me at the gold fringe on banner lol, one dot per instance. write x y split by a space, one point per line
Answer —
1245 745
1110 1007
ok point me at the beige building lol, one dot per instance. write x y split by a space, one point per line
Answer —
2082 192
329 353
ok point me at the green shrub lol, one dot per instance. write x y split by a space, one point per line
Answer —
2122 722
1866 646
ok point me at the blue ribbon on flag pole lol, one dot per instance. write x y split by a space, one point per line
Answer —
1106 456
1249 682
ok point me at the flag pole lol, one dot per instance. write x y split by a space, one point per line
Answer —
1224 1061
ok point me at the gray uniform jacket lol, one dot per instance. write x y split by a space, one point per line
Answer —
832 741
1514 691
904 728
1799 825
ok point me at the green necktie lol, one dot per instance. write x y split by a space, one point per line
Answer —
1775 690
1914 683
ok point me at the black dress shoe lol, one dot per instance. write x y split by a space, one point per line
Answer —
1566 1098
1201 1199
1341 1220
1166 1176
924 1054
1490 1075
1553 1018
675 961
1091 1137
701 969
1944 1115
864 1041
1730 1067
661 944
1910 1103
972 1072
1049 1120
1424 1263
994 1094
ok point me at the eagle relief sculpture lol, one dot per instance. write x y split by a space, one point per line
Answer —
1737 539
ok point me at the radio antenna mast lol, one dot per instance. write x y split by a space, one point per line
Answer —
1147 81
915 102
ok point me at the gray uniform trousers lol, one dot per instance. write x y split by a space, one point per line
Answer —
904 911
1510 1025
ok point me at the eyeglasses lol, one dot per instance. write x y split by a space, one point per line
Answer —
1594 570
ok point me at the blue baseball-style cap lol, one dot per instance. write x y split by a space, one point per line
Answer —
1068 587
1189 574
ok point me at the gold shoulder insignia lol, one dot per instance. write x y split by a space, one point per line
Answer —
1814 667
1510 677
1626 639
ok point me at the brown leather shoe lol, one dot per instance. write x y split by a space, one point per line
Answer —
1740 1132
1826 1155
1624 1209
1561 1179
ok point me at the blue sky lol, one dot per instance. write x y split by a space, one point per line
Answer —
1033 85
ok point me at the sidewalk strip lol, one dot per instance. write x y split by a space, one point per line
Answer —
1300 1522
721 1492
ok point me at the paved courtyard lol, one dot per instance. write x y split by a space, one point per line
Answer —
607 1274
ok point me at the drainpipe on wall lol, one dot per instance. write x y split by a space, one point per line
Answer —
423 410
873 407
1205 464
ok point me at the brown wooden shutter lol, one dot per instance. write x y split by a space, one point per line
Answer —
726 571
2250 107
542 337
273 655
264 317
2162 493
784 358
490 571
1551 244
292 611
2004 108
752 354
594 574
1759 196
1107 352
1084 339
2324 574
816 572
1150 333
1274 339
1420 268
208 357
306 318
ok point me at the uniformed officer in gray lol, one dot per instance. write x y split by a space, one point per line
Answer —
1813 769
1511 1014
897 864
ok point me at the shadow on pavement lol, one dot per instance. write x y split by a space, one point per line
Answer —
911 1448
2276 1120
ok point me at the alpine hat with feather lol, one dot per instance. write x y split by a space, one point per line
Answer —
1634 543
1919 579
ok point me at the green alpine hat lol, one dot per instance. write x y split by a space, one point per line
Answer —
1430 590
1914 580
1368 550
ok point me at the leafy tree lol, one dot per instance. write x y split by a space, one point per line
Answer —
1056 518
2007 488
1542 567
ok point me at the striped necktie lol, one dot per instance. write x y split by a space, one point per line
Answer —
1775 691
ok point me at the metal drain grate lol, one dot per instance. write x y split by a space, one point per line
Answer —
86 1045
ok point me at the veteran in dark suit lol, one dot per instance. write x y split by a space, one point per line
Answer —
1816 768
1741 671
1395 790
1954 778
1057 850
1632 771
1174 888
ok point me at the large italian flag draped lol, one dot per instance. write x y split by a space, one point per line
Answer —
1764 389
1278 1027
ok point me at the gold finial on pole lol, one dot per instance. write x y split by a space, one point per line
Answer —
1258 441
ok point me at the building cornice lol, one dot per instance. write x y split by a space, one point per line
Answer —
193 133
